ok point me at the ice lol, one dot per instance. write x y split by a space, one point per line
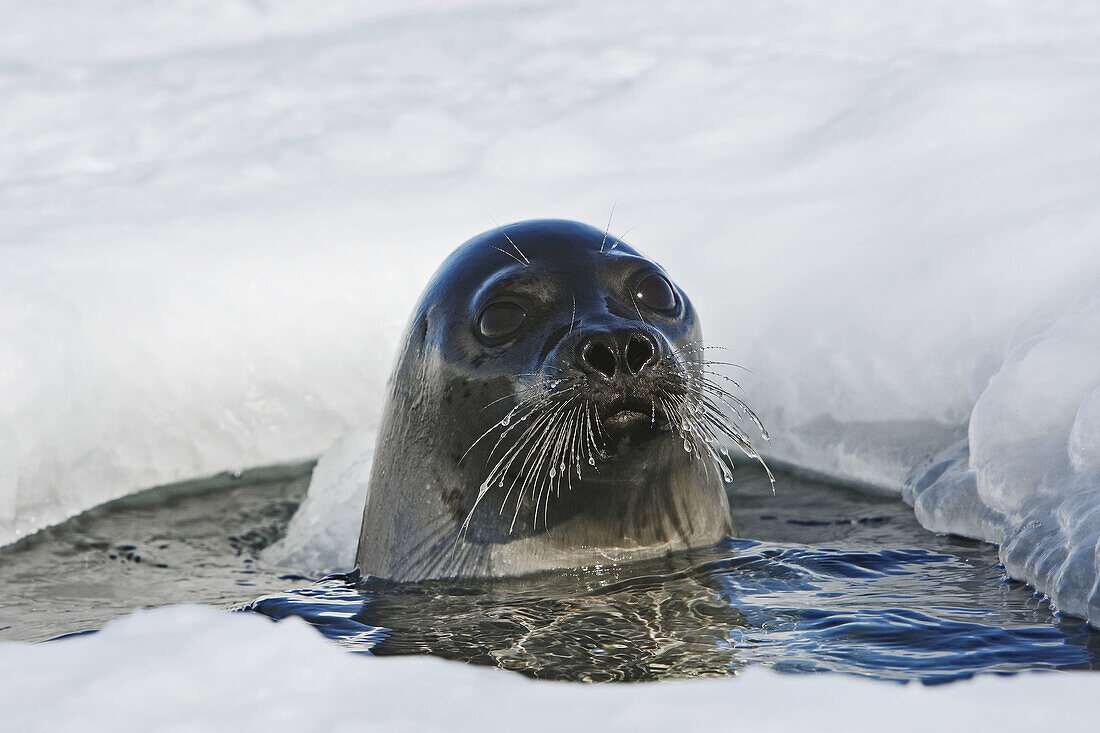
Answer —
191 668
1032 473
324 533
215 218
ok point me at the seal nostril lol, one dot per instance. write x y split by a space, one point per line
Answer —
601 358
639 351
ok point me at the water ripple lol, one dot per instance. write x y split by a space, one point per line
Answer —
893 614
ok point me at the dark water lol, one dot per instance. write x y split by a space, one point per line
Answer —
824 578
190 543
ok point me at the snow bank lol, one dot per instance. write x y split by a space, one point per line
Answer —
190 668
217 216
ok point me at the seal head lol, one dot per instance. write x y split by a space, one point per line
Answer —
550 408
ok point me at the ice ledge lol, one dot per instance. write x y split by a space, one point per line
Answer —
196 668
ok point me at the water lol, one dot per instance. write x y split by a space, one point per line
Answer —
823 578
197 542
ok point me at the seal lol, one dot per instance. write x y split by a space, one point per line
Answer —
551 407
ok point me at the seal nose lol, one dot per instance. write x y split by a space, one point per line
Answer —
625 352
639 353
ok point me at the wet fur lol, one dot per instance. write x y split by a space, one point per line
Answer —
430 512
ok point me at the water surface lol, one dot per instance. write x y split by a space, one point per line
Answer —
822 578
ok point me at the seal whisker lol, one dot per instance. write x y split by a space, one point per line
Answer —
704 413
701 367
518 415
701 432
712 413
726 397
533 388
532 433
491 478
493 427
594 450
565 465
748 450
716 420
547 455
620 237
698 388
484 488
701 437
607 229
576 447
526 466
517 259
520 412
573 317
525 262
635 302
553 474
702 383
712 361
566 455
497 473
525 408
555 457
520 479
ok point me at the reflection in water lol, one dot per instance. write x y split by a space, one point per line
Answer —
824 578
833 579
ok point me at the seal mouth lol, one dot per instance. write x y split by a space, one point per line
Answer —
634 417
624 419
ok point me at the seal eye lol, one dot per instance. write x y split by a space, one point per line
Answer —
655 293
500 320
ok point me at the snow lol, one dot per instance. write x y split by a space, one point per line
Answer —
216 217
191 668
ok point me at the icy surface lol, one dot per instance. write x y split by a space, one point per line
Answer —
1033 477
324 533
190 668
216 216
